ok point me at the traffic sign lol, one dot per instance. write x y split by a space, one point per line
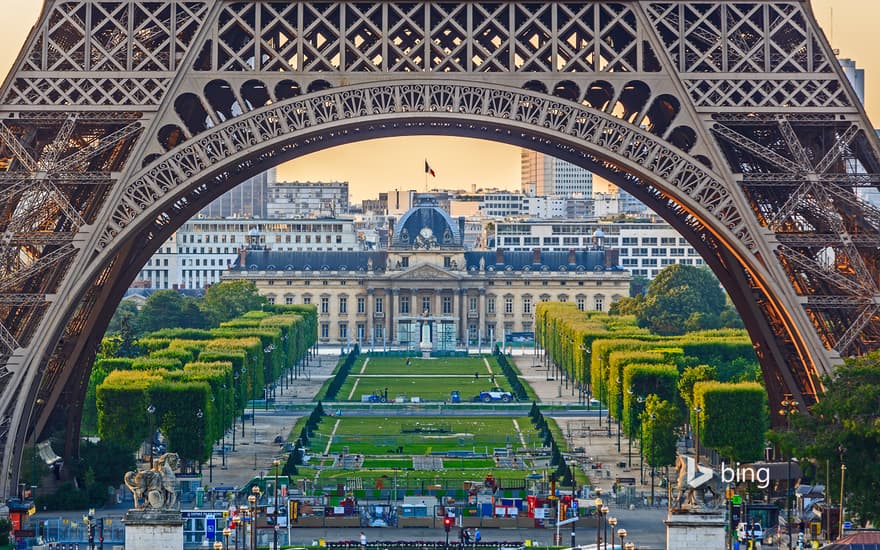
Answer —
737 499
847 525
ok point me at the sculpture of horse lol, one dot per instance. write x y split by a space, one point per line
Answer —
711 489
157 487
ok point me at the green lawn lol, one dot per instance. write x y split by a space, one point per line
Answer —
465 366
423 435
427 389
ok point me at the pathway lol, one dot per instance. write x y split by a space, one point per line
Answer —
364 366
330 439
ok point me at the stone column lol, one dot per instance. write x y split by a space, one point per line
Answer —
694 529
481 316
392 304
462 316
389 315
371 305
151 529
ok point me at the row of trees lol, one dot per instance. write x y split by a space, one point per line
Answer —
191 383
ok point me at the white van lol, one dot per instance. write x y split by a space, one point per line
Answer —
745 532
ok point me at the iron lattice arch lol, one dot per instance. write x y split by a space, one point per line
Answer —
732 120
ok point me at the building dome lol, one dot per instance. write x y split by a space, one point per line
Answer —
426 226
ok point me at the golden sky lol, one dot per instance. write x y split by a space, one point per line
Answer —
380 165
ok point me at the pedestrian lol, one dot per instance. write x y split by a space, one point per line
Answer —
363 541
476 376
477 536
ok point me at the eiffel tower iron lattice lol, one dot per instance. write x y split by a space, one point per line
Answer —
731 119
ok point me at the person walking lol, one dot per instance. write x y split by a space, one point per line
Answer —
363 541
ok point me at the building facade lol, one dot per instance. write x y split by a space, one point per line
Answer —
426 287
307 199
644 247
247 200
201 249
542 174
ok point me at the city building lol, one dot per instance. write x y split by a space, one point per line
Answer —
644 247
855 75
201 249
247 200
425 289
545 175
323 199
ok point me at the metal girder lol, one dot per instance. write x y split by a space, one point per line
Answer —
22 299
765 153
91 150
7 339
837 150
808 264
857 326
789 180
18 150
58 145
839 302
827 239
11 281
794 144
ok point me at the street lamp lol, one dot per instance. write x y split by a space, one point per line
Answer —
598 522
275 463
223 426
244 392
621 534
605 525
255 513
842 451
653 457
218 545
235 521
789 407
697 410
200 415
235 378
618 408
226 532
613 522
151 410
630 546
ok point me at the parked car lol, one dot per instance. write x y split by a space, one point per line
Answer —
495 394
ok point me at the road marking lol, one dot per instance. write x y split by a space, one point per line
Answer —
488 366
354 387
364 366
522 439
332 434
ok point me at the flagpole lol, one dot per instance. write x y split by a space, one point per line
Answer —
426 175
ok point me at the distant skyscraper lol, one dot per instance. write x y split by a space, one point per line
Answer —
247 200
545 175
855 76
308 199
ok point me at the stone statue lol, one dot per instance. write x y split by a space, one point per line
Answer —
157 486
711 490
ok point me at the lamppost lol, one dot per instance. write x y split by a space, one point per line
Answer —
226 533
235 522
275 463
598 522
789 408
255 513
621 534
842 450
613 522
630 546
151 410
605 525
223 425
697 410
253 401
653 457
235 378
245 393
199 416
218 545
618 408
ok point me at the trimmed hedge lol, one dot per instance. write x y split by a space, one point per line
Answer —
734 418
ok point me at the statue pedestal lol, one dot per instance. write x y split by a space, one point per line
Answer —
151 529
693 529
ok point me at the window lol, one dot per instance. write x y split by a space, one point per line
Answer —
288 300
447 261
490 304
343 331
325 330
325 304
447 305
630 241
361 331
472 304
527 304
426 304
270 299
581 303
307 299
404 261
362 304
404 304
508 305
599 303
380 305
343 304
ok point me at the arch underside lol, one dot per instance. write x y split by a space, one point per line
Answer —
757 160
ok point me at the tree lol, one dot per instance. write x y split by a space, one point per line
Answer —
230 299
682 298
167 308
661 421
126 312
692 375
844 424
